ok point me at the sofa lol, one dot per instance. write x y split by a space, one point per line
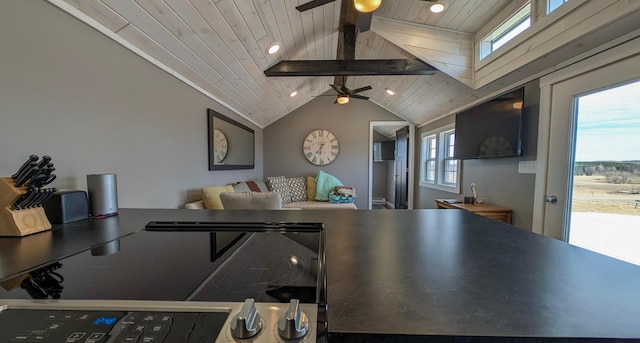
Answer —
307 193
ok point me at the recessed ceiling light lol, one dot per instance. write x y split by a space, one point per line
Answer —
389 91
294 93
437 7
273 48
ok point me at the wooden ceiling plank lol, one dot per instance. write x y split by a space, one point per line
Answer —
402 9
138 17
165 15
429 49
475 17
101 13
413 12
268 19
229 40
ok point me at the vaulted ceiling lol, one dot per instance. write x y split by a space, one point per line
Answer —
219 46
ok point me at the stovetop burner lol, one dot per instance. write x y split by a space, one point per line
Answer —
200 261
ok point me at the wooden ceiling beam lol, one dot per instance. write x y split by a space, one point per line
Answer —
349 68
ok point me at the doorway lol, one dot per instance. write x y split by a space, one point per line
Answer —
604 215
571 205
382 170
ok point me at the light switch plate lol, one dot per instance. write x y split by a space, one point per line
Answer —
527 167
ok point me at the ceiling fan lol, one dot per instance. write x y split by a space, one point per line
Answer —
344 93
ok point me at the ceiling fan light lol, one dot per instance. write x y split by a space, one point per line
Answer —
343 99
366 5
437 7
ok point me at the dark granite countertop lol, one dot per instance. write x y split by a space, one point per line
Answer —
405 274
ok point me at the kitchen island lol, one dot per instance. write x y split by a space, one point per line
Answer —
408 275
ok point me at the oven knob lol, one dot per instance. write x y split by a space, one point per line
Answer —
293 324
247 322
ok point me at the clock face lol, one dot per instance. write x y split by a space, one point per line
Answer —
219 146
495 146
320 147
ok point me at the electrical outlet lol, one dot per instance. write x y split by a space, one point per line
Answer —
527 167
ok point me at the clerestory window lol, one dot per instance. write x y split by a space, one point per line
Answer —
508 30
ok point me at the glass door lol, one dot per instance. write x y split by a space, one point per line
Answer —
606 173
588 135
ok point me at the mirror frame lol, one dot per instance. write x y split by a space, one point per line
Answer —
212 116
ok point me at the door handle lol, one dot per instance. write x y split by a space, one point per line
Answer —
551 199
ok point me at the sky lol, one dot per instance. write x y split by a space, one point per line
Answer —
609 125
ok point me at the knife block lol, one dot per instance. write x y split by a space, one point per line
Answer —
19 222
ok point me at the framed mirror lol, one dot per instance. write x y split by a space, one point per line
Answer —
231 144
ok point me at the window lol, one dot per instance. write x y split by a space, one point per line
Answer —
508 30
553 4
438 168
430 160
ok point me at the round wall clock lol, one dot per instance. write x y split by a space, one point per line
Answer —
495 146
219 146
320 147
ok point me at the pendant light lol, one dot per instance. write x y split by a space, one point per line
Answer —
367 5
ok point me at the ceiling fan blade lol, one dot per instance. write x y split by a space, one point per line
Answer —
312 4
361 89
357 96
364 21
335 88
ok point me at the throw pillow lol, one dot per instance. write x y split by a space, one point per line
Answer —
325 183
251 200
241 187
297 188
258 186
250 186
281 185
211 196
311 188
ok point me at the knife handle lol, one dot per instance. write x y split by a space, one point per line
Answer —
43 162
24 166
41 180
20 179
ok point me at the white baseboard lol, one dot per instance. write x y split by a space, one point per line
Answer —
390 204
378 201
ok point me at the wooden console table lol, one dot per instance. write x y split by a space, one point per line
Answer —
502 214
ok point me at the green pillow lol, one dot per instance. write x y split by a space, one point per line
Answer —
325 183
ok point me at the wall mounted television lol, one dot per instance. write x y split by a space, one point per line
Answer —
491 129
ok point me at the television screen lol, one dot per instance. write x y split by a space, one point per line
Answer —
490 129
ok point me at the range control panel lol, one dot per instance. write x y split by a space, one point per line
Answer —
135 321
72 326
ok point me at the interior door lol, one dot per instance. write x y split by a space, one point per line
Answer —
402 168
556 138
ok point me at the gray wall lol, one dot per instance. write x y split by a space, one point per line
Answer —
497 180
349 123
70 92
380 173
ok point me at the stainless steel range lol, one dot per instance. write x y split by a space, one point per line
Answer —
177 282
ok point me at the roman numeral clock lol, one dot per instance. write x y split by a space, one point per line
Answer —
320 147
